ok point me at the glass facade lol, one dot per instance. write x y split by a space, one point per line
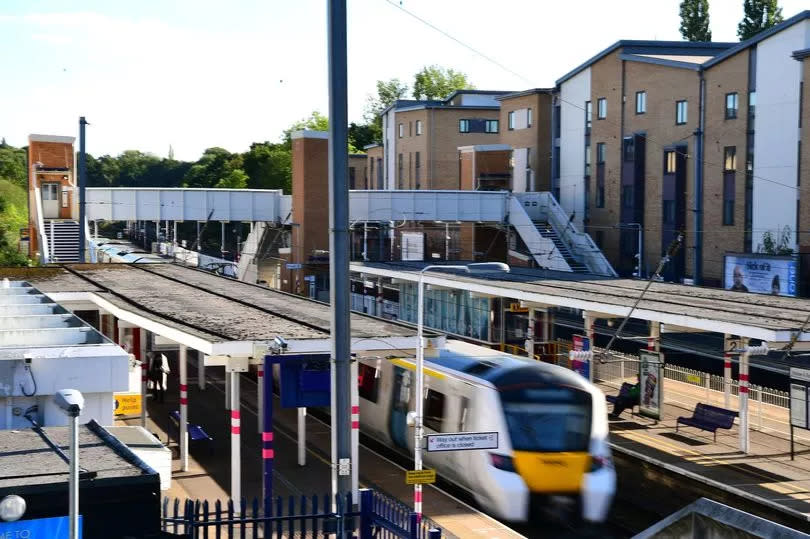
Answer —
454 311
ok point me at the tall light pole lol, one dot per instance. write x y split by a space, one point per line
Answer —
481 267
71 402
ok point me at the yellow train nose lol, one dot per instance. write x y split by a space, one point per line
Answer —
552 472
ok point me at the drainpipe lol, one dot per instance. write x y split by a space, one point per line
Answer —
698 225
82 185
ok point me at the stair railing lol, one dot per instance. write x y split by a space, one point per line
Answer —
44 251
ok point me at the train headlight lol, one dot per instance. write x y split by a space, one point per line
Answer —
502 462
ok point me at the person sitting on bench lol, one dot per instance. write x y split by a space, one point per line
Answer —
627 401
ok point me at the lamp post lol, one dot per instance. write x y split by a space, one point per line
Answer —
480 267
71 402
640 253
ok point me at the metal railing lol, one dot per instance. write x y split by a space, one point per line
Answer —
44 255
377 516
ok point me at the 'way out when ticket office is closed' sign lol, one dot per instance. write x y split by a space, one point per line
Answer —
462 441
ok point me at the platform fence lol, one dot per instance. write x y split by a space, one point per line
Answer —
307 517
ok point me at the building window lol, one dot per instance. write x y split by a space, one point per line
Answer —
669 162
511 119
627 196
588 115
601 108
730 159
352 177
464 126
629 150
668 211
641 102
491 126
731 106
752 108
418 168
728 198
401 130
418 127
681 112
400 171
600 153
588 160
529 117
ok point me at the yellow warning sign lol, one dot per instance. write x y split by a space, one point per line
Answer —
127 404
412 477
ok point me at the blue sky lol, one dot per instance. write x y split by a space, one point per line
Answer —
196 74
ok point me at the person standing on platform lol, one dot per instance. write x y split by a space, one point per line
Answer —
159 374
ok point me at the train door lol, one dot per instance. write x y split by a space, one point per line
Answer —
400 404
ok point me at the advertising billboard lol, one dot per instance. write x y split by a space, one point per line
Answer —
761 274
651 374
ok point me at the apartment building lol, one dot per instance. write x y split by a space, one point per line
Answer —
700 138
526 127
421 138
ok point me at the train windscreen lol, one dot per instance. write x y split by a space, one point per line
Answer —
547 418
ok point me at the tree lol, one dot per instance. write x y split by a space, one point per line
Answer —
235 179
387 93
435 82
315 122
758 15
695 20
268 166
361 135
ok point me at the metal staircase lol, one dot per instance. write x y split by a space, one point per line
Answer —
547 231
63 240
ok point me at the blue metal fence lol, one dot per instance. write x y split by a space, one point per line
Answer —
377 517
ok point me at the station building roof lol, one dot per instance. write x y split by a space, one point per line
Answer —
769 318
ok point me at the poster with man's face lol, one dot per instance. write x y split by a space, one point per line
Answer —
761 274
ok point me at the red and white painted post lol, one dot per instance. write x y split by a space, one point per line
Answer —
182 358
355 441
302 436
654 340
588 323
744 441
260 395
236 462
144 376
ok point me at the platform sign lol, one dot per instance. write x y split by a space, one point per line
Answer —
651 374
126 404
294 266
581 366
38 528
462 441
799 393
414 477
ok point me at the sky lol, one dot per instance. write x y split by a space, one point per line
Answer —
193 74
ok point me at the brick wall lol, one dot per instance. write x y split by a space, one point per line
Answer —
537 137
310 192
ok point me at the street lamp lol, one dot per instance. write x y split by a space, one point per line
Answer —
479 267
71 402
640 254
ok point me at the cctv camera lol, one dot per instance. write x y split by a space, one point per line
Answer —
281 343
69 401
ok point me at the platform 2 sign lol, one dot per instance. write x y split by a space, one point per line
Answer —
125 404
414 477
462 441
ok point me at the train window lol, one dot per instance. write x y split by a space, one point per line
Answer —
368 386
547 418
434 410
464 407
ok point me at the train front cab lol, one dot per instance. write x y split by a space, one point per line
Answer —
558 435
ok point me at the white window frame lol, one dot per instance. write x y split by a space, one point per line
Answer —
418 127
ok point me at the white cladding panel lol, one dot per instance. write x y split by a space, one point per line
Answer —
179 204
476 100
427 206
776 131
390 149
520 155
413 246
573 94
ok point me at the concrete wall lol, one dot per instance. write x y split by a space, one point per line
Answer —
776 134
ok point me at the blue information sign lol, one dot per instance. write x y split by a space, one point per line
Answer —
39 528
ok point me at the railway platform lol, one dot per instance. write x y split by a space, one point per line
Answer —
765 482
207 476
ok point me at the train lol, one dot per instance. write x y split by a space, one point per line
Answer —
552 428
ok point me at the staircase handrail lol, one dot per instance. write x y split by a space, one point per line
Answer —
44 254
89 244
542 249
581 245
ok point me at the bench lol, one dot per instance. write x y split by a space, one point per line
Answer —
709 418
195 432
623 392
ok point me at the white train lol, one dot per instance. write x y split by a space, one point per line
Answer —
551 423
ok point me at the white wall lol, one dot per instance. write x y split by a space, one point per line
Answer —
519 171
390 149
776 131
574 93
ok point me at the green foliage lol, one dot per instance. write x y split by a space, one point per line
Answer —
268 166
13 217
362 135
14 164
695 20
776 245
315 122
435 82
758 15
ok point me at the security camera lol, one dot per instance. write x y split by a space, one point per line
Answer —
69 401
280 343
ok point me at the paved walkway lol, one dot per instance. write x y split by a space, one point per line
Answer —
766 473
209 474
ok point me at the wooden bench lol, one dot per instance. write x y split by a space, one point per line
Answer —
623 392
195 432
709 418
